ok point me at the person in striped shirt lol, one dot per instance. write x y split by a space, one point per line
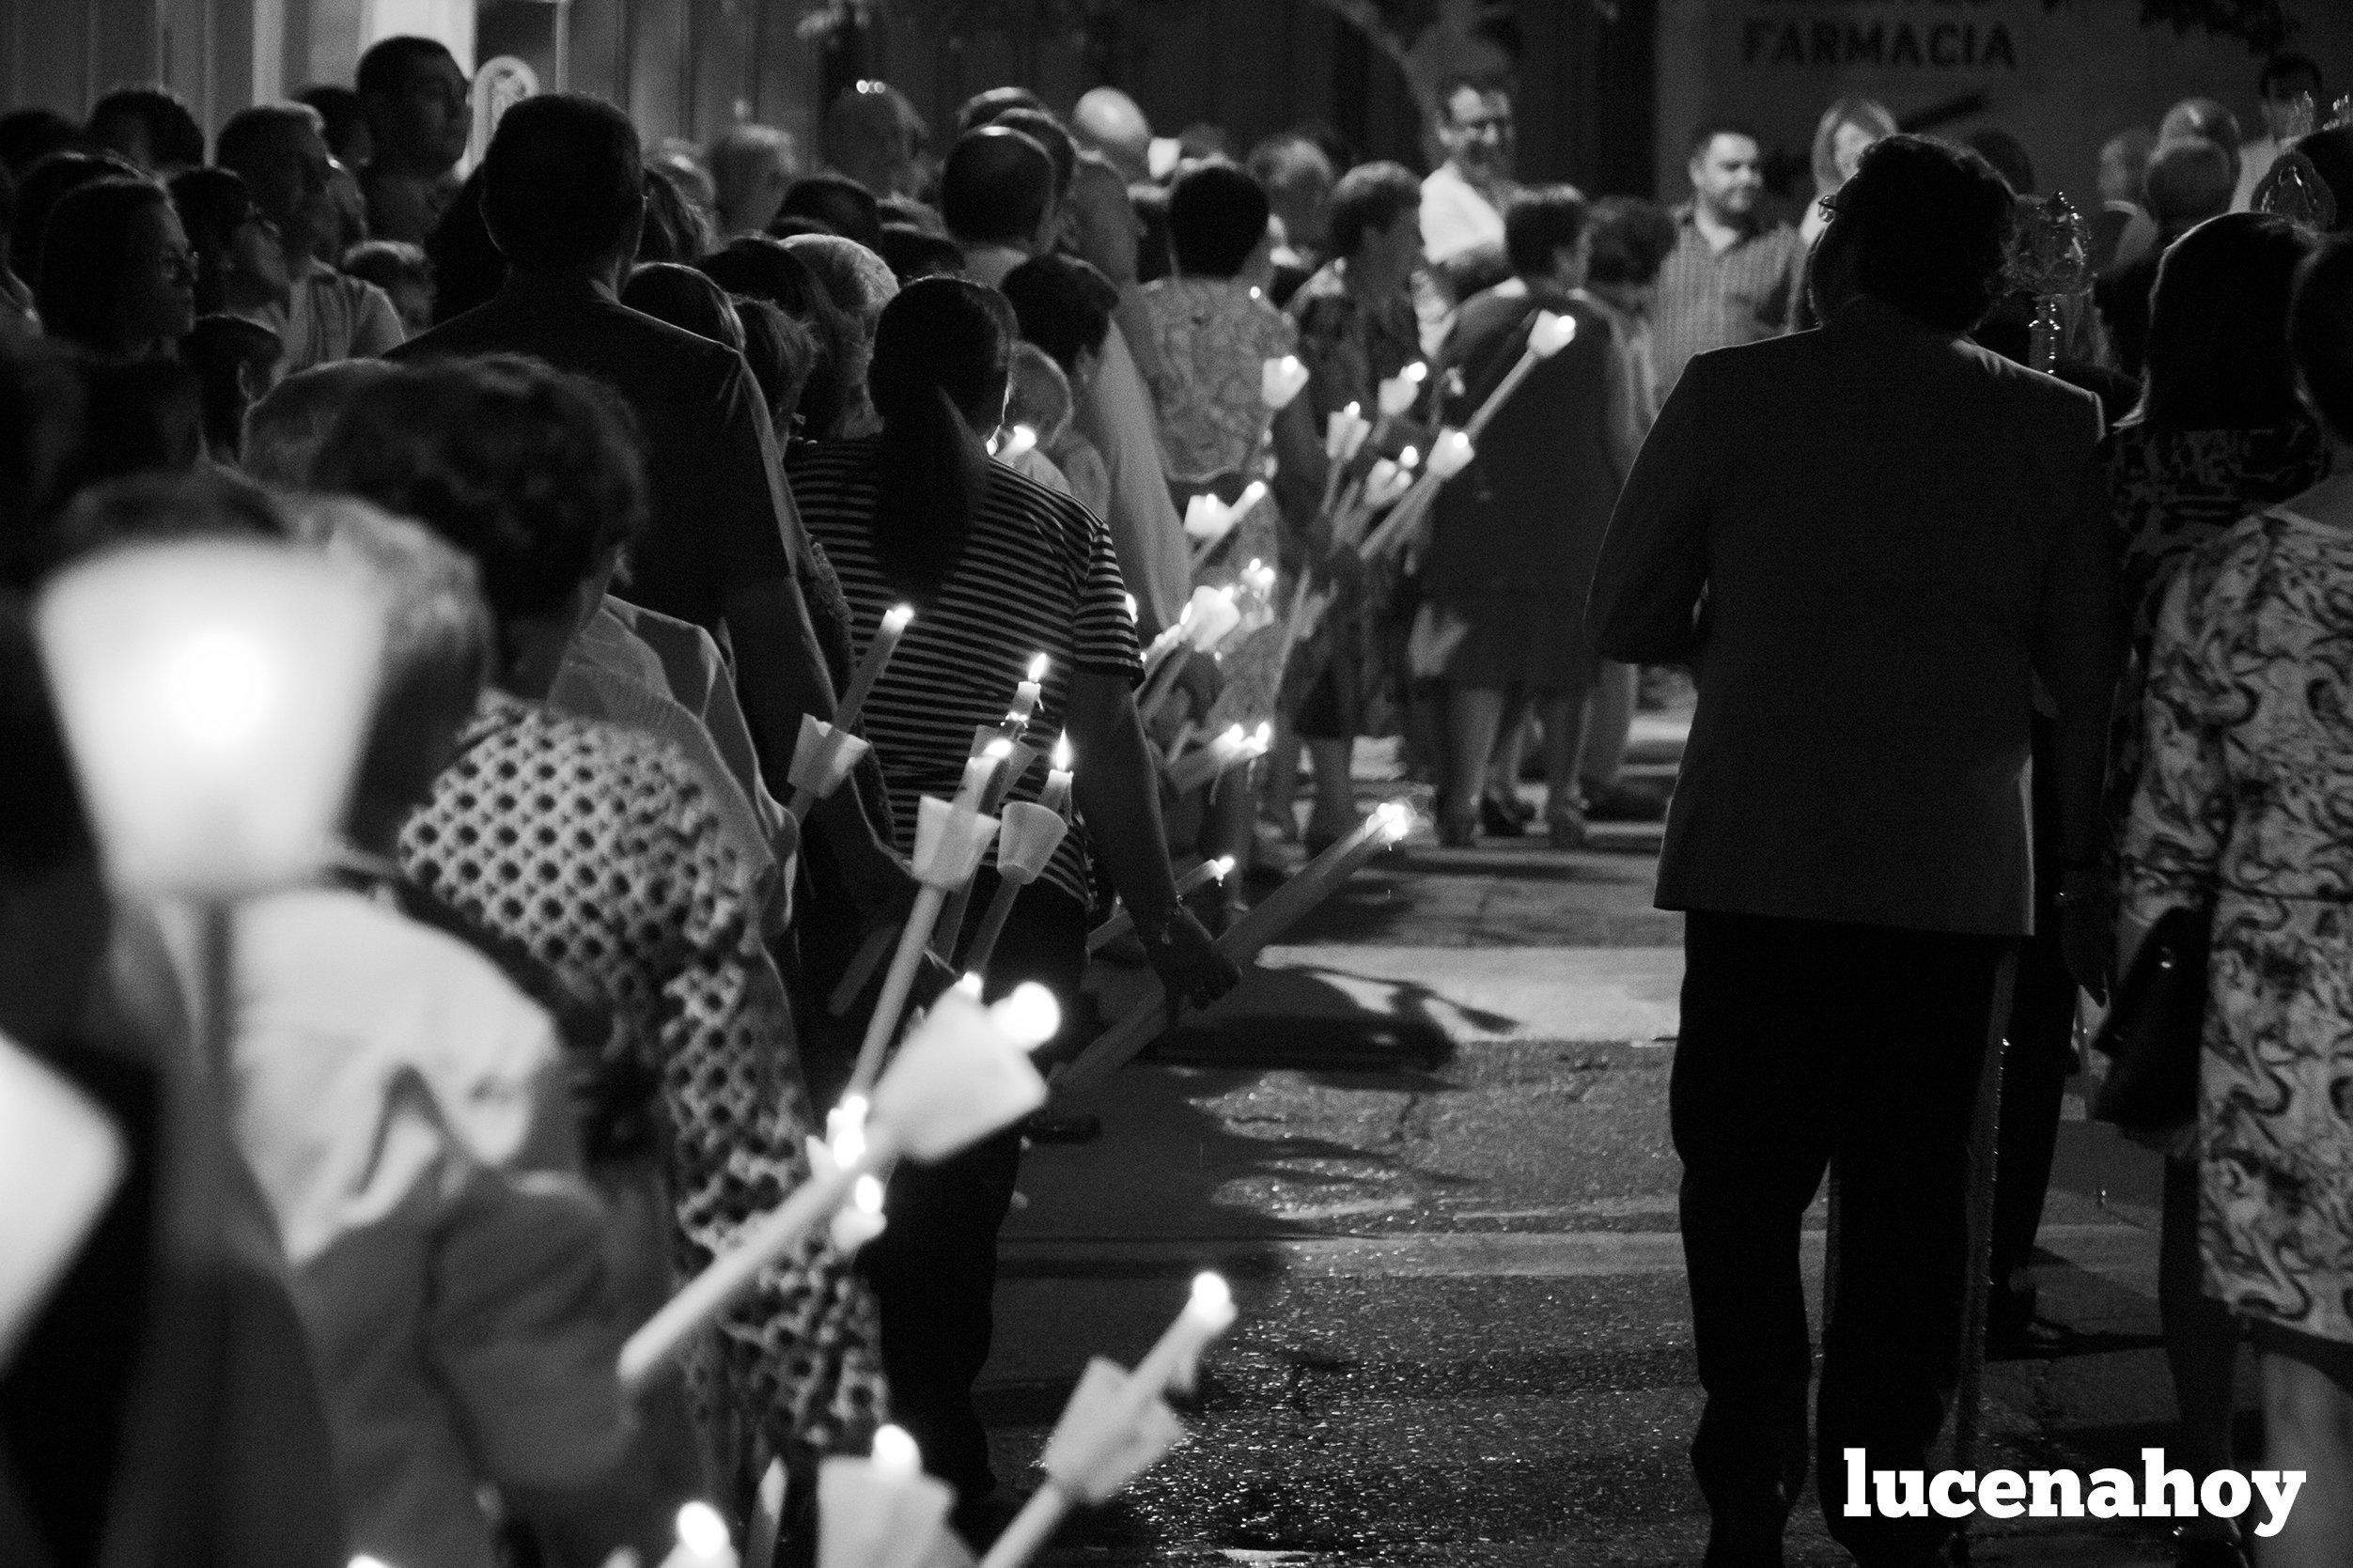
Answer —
1000 570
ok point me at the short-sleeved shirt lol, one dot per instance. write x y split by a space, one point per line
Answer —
1038 575
1214 337
1710 298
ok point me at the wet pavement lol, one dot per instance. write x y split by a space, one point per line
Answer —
1427 1143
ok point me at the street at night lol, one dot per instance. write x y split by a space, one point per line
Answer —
1428 1144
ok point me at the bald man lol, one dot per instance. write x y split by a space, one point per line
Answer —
1108 121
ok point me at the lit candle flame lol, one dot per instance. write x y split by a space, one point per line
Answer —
1211 1293
895 618
1061 753
701 1531
1030 1014
894 1449
1038 666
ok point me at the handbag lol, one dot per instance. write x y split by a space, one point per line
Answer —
2153 1033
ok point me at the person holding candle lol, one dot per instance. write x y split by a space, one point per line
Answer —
1515 538
461 1310
1213 331
156 1397
597 850
1000 570
1356 328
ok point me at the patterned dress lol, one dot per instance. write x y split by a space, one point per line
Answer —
1213 337
2170 491
2246 801
597 851
1349 347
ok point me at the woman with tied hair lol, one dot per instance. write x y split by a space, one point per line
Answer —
2239 809
117 276
1001 569
599 851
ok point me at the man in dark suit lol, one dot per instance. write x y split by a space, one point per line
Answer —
1875 544
563 198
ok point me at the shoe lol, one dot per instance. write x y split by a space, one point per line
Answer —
1565 829
1618 804
1498 816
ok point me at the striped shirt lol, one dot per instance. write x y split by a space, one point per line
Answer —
1710 298
1038 575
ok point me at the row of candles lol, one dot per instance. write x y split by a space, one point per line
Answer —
214 695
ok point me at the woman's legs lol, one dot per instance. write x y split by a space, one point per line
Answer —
2201 1335
1336 793
1564 737
1611 720
2308 1426
1473 714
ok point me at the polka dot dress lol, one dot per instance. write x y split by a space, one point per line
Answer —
597 849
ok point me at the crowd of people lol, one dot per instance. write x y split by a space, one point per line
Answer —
643 446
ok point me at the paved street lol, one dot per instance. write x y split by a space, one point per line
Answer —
1428 1144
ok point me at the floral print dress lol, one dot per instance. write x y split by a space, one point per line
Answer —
1213 337
2245 800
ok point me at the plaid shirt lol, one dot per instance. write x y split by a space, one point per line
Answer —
1710 298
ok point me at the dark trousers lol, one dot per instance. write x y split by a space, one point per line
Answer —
1806 1046
2036 1066
934 1268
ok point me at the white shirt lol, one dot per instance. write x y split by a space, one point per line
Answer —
332 316
1455 216
403 1108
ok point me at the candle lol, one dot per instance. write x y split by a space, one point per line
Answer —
1026 840
962 1074
894 1454
869 669
1345 430
1174 1362
1242 940
1121 923
1190 773
1106 1438
1551 333
977 772
950 838
883 1511
1204 517
1450 454
1058 792
1398 392
1281 382
1026 697
702 1540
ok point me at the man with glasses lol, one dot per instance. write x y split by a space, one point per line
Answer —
1462 200
414 95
